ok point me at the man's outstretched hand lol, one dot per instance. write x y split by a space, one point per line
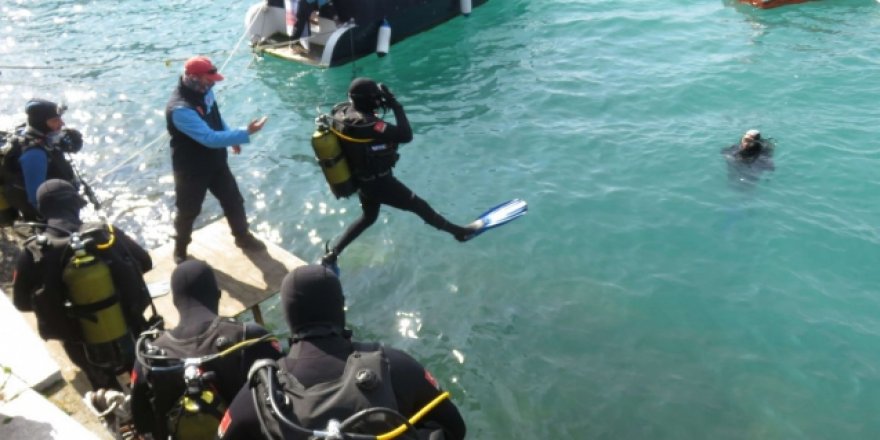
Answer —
256 125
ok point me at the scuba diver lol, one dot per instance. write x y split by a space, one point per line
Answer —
753 155
326 376
370 145
84 283
37 153
203 359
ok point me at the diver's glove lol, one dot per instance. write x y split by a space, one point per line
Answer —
387 97
71 141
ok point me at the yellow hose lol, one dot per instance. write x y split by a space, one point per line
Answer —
415 418
349 138
109 242
243 344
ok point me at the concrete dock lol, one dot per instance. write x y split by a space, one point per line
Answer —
245 279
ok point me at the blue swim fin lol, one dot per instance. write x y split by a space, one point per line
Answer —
497 216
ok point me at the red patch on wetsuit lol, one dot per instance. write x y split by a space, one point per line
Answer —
224 424
380 126
134 377
431 379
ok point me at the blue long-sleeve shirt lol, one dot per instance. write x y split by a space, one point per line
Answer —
34 167
190 123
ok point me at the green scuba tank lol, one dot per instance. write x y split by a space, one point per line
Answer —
328 151
199 411
95 305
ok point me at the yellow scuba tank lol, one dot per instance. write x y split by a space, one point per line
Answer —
199 411
328 151
96 306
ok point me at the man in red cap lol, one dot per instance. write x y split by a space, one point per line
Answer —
199 138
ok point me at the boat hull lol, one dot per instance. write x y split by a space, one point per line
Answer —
354 34
768 4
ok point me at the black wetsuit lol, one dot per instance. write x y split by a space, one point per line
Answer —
57 167
371 159
38 286
748 164
196 298
323 359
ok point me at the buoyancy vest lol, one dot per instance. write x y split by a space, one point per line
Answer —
51 252
186 153
367 157
168 387
24 139
365 383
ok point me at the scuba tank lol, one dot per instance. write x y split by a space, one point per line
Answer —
328 151
95 306
201 409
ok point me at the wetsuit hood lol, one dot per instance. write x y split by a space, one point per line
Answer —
312 296
364 94
39 111
59 202
196 296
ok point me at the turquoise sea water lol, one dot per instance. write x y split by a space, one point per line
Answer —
648 294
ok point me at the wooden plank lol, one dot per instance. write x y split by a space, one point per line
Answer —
245 278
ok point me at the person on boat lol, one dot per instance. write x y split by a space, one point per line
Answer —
199 138
37 153
157 389
370 146
325 366
304 11
43 283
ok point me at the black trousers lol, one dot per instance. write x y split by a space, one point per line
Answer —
387 190
191 188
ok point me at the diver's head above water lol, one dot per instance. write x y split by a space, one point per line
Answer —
365 94
751 144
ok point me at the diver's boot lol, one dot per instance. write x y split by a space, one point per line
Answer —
329 259
464 233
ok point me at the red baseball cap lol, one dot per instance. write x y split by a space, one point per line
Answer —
202 66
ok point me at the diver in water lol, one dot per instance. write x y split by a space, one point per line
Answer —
751 148
370 147
753 155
